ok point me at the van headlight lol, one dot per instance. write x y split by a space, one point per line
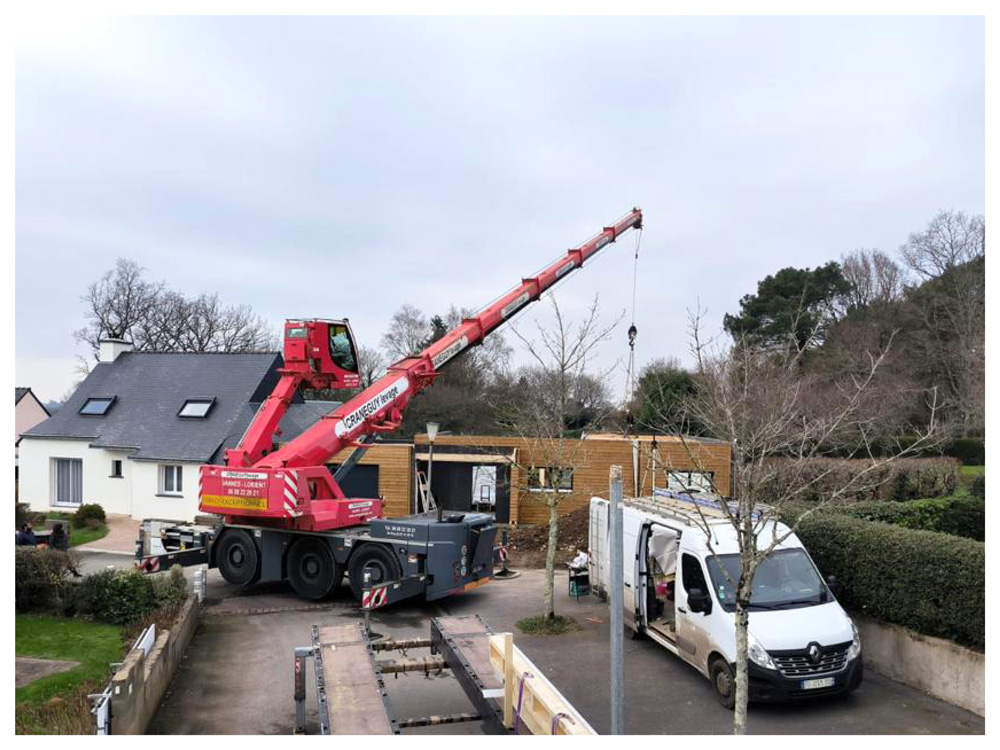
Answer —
757 654
855 650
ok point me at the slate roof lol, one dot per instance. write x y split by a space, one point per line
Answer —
150 390
299 417
20 393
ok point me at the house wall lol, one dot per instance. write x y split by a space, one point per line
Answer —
36 484
27 413
592 460
395 474
134 493
145 484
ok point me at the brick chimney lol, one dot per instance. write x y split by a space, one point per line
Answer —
111 348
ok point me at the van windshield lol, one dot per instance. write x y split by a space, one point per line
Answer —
786 578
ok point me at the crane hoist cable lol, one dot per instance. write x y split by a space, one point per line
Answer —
632 333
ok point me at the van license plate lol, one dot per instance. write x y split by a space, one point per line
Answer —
823 682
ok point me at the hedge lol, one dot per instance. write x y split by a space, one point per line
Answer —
41 579
121 597
956 515
930 582
902 479
970 451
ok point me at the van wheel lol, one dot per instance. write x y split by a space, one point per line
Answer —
237 557
311 568
378 561
724 683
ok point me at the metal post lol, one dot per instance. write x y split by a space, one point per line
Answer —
616 583
301 654
430 475
366 601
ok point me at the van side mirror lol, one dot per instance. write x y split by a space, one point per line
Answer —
699 601
833 584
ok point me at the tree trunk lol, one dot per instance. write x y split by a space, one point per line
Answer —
550 563
742 685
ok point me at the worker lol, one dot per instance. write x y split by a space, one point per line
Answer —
26 536
59 539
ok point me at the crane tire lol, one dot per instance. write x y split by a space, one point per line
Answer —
378 560
237 557
311 569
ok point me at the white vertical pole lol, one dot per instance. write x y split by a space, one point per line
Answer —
616 584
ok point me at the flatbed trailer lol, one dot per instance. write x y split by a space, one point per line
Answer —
403 557
508 693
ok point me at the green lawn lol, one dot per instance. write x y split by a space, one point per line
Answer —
77 537
54 704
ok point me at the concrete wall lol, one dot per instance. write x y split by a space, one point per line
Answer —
936 666
138 687
135 493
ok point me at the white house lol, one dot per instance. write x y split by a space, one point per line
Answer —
134 433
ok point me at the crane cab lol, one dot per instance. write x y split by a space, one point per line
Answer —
323 351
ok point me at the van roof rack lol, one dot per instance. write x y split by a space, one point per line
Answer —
687 507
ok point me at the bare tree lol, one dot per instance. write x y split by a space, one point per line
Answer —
408 331
950 239
874 278
371 365
778 417
122 304
561 355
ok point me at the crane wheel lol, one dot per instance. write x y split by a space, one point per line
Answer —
237 557
377 560
311 569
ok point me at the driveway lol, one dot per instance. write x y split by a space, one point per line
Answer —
237 675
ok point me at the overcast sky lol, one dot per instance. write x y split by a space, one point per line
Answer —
340 167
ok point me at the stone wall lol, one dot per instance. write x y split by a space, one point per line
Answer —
138 686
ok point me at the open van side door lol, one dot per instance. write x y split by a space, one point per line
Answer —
631 529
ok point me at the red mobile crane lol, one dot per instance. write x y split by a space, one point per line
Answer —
284 513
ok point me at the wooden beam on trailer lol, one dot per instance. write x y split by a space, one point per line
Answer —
530 700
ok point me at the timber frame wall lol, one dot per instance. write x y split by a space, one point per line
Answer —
592 457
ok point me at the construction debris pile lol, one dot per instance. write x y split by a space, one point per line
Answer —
528 544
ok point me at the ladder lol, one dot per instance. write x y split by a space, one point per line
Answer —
425 498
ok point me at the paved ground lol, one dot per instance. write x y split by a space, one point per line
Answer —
237 674
121 536
27 670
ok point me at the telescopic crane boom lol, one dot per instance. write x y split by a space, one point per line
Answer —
291 487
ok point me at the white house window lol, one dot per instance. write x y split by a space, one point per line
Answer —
67 481
97 407
171 479
196 408
550 479
116 468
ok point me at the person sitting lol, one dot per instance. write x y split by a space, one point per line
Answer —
59 539
26 536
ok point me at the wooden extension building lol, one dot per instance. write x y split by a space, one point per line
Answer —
513 477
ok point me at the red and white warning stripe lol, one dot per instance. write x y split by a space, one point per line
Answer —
374 598
150 565
291 498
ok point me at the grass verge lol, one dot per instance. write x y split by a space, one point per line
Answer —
58 704
539 625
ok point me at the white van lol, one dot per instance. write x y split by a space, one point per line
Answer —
802 643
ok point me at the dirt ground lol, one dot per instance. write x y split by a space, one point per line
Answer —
27 670
528 544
